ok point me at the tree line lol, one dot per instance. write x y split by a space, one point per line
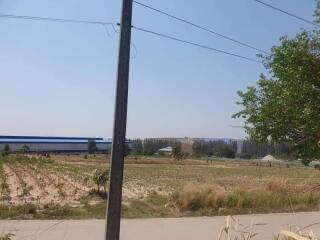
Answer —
199 148
150 146
204 148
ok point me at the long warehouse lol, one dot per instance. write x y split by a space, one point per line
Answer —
53 144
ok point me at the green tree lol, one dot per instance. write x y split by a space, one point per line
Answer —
127 149
137 147
196 148
285 106
24 149
150 147
176 151
224 150
92 146
6 150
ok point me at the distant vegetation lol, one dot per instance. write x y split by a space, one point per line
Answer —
92 147
214 148
176 151
203 148
284 106
5 151
24 149
150 146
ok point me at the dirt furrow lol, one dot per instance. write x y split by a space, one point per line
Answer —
4 188
49 185
14 185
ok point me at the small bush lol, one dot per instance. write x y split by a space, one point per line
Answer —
101 178
193 198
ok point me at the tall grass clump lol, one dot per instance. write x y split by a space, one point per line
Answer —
194 198
18 211
275 196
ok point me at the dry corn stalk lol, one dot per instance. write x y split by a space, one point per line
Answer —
286 235
233 230
299 234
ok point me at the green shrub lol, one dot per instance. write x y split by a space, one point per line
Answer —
5 151
24 149
92 146
101 178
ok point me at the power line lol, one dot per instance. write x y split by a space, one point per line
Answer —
201 27
195 44
104 24
55 19
287 13
112 24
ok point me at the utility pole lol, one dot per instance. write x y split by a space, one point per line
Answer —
113 212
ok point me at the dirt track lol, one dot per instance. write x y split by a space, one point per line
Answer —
157 229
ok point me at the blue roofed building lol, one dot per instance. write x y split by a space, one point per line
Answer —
53 144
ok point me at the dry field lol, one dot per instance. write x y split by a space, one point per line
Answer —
62 187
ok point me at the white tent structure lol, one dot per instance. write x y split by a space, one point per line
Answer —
166 150
269 158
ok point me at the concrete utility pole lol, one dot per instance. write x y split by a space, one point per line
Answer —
119 129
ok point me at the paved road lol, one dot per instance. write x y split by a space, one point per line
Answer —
156 229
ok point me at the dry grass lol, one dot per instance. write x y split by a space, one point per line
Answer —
186 188
234 230
87 159
277 185
275 196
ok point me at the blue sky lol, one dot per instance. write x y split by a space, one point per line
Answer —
59 79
